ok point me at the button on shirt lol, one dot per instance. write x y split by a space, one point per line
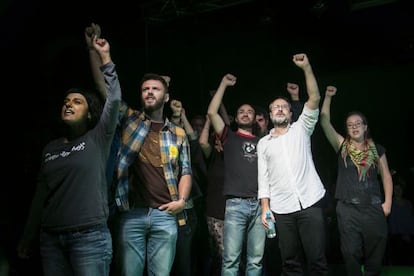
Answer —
286 172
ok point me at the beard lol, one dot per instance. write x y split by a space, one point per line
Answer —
156 105
245 125
280 122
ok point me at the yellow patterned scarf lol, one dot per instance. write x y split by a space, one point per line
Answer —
363 159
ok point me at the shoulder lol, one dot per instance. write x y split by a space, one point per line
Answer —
177 130
380 149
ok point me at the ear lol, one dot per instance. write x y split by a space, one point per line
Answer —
89 115
167 97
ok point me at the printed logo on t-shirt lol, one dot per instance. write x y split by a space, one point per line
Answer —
63 154
249 151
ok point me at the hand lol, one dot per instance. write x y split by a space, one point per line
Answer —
176 108
264 218
330 91
292 89
101 45
173 207
229 80
301 60
386 209
90 32
218 145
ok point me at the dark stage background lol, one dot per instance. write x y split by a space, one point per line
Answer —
365 48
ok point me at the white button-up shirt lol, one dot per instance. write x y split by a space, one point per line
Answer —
286 171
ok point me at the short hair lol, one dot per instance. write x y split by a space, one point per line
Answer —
153 76
262 111
95 104
281 98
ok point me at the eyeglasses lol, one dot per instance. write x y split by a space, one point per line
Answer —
278 107
355 125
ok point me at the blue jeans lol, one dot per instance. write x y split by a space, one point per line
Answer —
243 221
85 252
146 234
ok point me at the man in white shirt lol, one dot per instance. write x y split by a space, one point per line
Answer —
289 184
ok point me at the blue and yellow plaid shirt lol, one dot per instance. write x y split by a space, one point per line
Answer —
175 154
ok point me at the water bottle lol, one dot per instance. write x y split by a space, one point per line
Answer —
271 230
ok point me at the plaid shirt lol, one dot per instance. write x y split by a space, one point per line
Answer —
175 153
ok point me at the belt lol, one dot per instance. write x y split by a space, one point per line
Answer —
242 197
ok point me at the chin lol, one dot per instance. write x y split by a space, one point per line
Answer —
281 122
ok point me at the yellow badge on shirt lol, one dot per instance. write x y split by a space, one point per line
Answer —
173 151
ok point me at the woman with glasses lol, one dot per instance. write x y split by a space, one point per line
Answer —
362 204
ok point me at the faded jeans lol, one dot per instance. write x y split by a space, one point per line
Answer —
86 252
146 234
242 225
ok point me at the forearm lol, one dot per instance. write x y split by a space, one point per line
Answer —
223 114
176 120
215 119
206 149
187 126
184 186
111 81
386 180
33 222
312 88
95 64
326 109
216 100
294 97
334 138
205 134
265 204
388 190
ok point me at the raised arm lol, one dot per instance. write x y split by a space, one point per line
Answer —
94 59
302 61
102 48
334 138
213 109
180 118
222 110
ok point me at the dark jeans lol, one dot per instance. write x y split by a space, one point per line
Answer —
184 254
302 232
